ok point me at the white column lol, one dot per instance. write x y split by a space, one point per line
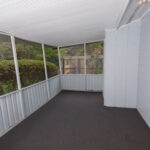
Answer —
46 74
84 58
17 73
16 62
44 58
85 66
60 66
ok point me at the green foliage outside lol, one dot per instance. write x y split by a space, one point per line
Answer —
5 51
77 50
95 62
31 71
28 50
30 60
51 56
7 76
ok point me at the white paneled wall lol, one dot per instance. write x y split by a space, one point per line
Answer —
127 67
15 105
82 82
34 97
143 101
94 82
54 85
74 82
121 66
10 111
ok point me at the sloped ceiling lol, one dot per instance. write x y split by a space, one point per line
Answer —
60 22
131 11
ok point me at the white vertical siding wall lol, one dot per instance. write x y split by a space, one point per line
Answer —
94 82
34 97
11 110
54 85
82 82
74 82
121 66
17 106
143 101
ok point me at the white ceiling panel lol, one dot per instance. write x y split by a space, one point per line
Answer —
60 22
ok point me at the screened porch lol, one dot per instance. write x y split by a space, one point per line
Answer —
75 75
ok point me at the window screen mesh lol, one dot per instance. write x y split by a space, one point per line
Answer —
8 81
52 61
94 58
30 60
72 59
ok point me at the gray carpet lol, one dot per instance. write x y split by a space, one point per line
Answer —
79 121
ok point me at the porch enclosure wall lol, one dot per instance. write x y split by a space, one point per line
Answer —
121 66
82 67
28 97
82 82
126 76
33 97
127 67
143 94
15 106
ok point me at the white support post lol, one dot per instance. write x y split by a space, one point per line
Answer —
46 74
16 62
44 58
84 58
17 73
60 66
85 66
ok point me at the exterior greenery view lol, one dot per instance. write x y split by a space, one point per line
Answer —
31 64
94 58
30 61
72 58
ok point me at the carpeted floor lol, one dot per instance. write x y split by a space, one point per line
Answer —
79 121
